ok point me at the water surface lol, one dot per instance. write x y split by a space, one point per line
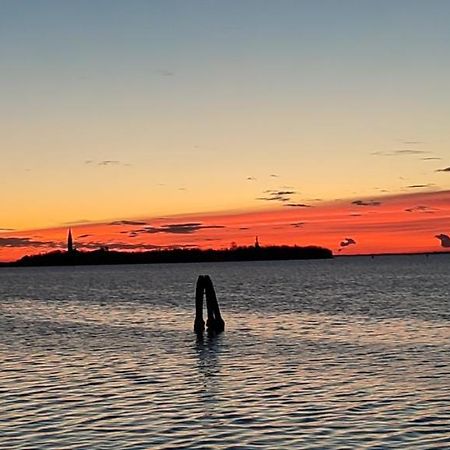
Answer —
344 353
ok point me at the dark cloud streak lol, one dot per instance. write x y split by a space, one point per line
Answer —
420 208
95 245
445 240
128 222
298 205
366 203
347 241
275 195
176 228
22 242
419 186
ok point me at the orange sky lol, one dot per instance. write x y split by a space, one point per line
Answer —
244 113
401 223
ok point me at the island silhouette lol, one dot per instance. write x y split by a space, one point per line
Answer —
256 252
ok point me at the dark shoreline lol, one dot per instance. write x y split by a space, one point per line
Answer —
103 257
46 259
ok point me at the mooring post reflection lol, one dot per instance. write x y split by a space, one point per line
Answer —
207 349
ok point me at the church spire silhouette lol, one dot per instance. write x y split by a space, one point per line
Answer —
69 242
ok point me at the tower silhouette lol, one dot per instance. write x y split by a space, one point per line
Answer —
256 242
69 242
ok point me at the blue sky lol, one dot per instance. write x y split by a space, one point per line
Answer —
167 90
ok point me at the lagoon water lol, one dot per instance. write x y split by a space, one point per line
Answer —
334 354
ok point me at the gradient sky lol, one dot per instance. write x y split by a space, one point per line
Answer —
223 113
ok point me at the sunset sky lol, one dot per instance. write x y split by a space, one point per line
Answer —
149 124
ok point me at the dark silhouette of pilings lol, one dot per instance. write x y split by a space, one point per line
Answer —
199 323
214 323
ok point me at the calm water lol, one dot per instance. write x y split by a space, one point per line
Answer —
349 353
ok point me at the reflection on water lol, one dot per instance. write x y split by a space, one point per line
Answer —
332 355
207 349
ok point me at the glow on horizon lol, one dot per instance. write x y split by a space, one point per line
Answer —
163 108
397 224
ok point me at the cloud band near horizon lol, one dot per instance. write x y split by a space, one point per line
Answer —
401 223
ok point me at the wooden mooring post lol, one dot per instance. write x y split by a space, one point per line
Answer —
214 323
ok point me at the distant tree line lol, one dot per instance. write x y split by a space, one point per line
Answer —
176 255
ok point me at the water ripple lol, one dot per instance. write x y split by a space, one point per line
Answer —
112 366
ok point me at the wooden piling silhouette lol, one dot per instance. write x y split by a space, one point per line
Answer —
199 323
214 322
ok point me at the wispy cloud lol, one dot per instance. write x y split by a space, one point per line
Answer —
419 186
106 163
109 162
298 224
274 195
298 205
130 233
446 169
409 151
402 152
176 228
366 203
421 208
20 242
128 222
275 192
6 229
95 245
